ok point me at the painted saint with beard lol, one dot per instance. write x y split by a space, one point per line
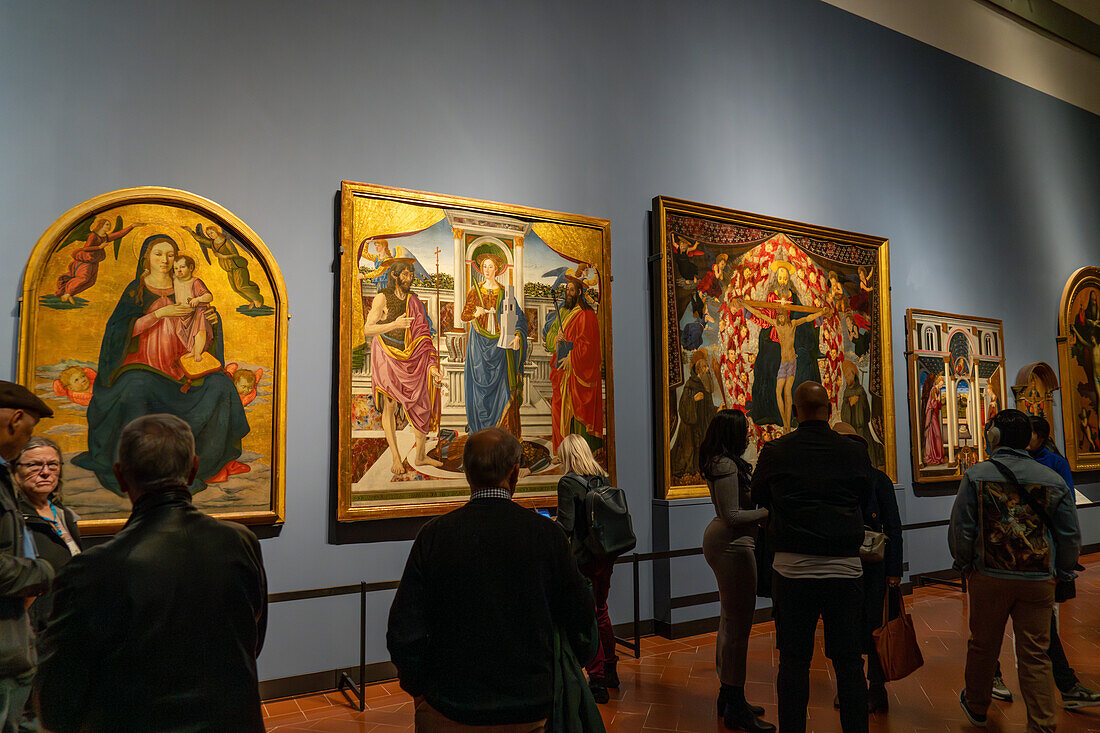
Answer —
404 364
572 335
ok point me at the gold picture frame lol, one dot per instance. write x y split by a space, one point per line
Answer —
709 257
221 367
1079 367
961 355
468 278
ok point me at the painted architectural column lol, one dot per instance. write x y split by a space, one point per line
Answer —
952 419
517 258
459 274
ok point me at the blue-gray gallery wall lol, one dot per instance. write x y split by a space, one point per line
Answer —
987 190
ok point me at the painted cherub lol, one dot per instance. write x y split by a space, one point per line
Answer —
194 329
75 383
245 380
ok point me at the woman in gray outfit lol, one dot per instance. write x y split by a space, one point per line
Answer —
728 547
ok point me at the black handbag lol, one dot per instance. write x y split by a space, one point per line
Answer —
1063 589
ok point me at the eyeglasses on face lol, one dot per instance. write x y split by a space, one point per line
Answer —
37 466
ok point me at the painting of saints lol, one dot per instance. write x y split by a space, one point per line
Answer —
84 269
766 408
1086 349
493 374
931 406
696 410
140 373
572 336
405 370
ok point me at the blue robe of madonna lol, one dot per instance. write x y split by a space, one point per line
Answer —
492 374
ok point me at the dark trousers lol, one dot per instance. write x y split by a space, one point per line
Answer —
1064 676
600 575
799 603
874 598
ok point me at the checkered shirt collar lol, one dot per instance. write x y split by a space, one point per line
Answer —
496 492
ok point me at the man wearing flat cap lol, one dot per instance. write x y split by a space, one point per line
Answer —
22 574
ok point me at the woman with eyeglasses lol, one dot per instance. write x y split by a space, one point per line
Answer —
52 525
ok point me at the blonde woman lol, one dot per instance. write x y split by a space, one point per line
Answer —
580 467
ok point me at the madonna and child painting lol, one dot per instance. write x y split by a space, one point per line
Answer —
154 300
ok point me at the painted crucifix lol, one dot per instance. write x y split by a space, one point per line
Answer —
784 329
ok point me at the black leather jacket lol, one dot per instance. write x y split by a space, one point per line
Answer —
814 482
159 628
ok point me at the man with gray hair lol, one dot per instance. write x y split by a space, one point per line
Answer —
23 575
485 591
159 628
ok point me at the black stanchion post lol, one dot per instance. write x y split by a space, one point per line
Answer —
362 645
637 624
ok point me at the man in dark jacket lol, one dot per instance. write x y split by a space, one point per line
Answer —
813 482
158 629
22 574
486 588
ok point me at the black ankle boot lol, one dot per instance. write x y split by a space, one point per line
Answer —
736 695
740 717
610 676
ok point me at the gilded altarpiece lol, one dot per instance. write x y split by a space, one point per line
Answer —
153 300
746 308
458 315
956 384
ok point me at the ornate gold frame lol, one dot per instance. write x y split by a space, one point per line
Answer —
45 247
349 192
662 207
1083 277
911 359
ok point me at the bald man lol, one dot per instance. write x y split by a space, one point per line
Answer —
814 483
472 626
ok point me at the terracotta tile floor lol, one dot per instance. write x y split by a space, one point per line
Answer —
673 685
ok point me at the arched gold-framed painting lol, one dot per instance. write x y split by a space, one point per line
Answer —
155 300
1034 390
458 314
1079 365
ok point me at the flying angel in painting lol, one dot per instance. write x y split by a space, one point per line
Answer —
213 239
84 269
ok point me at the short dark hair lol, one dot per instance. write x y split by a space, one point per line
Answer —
156 452
1040 426
489 456
727 435
1015 428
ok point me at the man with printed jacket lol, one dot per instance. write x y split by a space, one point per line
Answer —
1013 532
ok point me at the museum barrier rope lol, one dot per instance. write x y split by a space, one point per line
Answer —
634 560
362 589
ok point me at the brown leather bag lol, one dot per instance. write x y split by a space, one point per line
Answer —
896 641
